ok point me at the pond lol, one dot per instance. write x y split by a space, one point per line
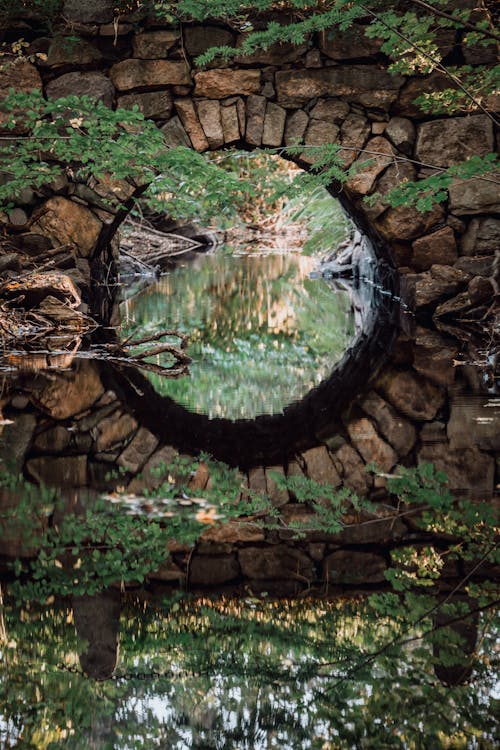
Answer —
261 331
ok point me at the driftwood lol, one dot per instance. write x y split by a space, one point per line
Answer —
149 248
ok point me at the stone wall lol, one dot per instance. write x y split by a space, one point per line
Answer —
420 406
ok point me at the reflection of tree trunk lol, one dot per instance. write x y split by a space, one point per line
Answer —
460 654
97 618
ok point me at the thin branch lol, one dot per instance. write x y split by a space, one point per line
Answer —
464 24
435 62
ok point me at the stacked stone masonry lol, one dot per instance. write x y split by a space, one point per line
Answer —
334 89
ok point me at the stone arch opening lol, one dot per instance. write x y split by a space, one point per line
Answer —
335 90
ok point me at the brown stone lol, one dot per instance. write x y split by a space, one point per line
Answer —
174 133
438 247
451 140
68 223
333 110
354 133
352 469
90 11
275 54
230 123
136 74
474 196
54 439
477 266
351 567
115 29
222 82
200 478
320 466
393 176
167 572
69 393
154 44
17 538
417 87
371 446
210 118
23 77
453 307
75 52
59 471
348 45
369 165
187 115
380 527
276 562
319 133
398 431
296 125
114 430
406 223
208 570
412 395
274 125
234 532
401 132
364 84
440 281
15 440
434 355
155 471
256 110
277 496
482 237
152 104
467 469
92 84
257 480
198 39
480 290
138 451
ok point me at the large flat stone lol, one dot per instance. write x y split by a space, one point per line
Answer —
412 395
93 84
438 247
209 570
70 393
136 74
406 223
66 222
320 466
349 44
475 196
450 140
223 82
363 84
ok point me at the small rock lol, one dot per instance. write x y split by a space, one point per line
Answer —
480 290
320 466
445 142
332 110
476 266
90 11
189 118
174 133
10 262
152 104
467 469
401 132
59 471
474 196
256 110
349 44
92 84
274 125
433 356
209 112
67 222
482 237
296 125
277 496
70 393
352 470
150 45
198 39
113 430
135 74
363 180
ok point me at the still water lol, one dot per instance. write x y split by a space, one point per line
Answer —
262 333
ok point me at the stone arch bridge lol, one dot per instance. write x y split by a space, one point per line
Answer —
336 89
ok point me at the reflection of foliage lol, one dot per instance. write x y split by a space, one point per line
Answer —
243 673
261 333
